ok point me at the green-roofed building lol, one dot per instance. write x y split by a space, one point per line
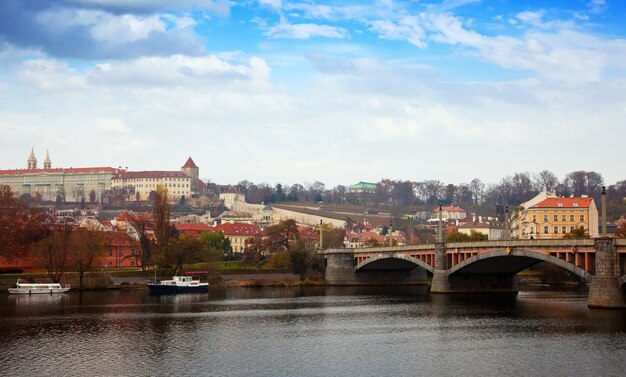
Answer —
363 187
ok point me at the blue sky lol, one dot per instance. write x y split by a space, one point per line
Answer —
298 91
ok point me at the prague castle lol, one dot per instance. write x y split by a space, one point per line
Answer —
76 184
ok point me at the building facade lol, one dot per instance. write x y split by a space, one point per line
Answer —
65 184
142 183
555 217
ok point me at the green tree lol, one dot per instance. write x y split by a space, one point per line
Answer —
215 245
579 232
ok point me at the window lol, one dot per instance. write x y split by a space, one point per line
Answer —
556 217
545 219
563 229
532 230
582 217
110 251
534 218
545 229
571 218
563 218
556 229
571 229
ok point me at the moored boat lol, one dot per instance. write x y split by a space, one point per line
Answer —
38 288
178 284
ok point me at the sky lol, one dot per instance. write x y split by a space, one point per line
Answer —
287 92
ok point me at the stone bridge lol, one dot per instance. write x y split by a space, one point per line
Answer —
486 266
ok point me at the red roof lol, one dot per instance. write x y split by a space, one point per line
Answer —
450 209
118 238
189 164
151 174
564 203
104 169
193 229
126 216
238 229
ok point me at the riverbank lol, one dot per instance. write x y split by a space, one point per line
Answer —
105 281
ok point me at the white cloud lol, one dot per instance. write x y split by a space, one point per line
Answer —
221 7
405 28
103 26
276 4
284 29
50 75
597 6
565 55
182 70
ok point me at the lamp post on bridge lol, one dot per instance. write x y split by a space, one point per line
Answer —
605 289
440 283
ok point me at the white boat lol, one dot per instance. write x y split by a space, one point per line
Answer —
178 284
38 288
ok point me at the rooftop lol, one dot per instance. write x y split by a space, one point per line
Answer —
564 203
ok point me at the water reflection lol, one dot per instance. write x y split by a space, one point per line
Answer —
310 331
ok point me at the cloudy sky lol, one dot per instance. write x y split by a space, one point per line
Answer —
298 91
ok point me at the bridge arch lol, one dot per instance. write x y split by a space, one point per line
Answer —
395 261
512 263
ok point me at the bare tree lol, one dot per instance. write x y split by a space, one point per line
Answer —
86 245
546 180
54 250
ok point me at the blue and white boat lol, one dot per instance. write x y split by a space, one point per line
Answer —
178 284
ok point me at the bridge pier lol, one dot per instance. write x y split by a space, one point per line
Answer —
340 269
440 283
605 289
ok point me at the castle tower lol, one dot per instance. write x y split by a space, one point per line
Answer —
192 170
32 160
47 164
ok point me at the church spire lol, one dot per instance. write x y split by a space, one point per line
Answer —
47 164
32 160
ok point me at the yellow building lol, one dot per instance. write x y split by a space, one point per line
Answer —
232 197
554 217
177 183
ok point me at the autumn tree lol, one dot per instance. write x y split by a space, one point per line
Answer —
54 252
19 226
185 249
253 250
463 237
162 229
283 235
86 245
143 224
621 229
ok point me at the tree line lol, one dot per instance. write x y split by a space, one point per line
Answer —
511 191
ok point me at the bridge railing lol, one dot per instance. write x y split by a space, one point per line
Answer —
379 249
476 245
560 243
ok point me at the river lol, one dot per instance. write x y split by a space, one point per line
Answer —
320 331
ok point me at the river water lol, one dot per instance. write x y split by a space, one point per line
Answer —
395 331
